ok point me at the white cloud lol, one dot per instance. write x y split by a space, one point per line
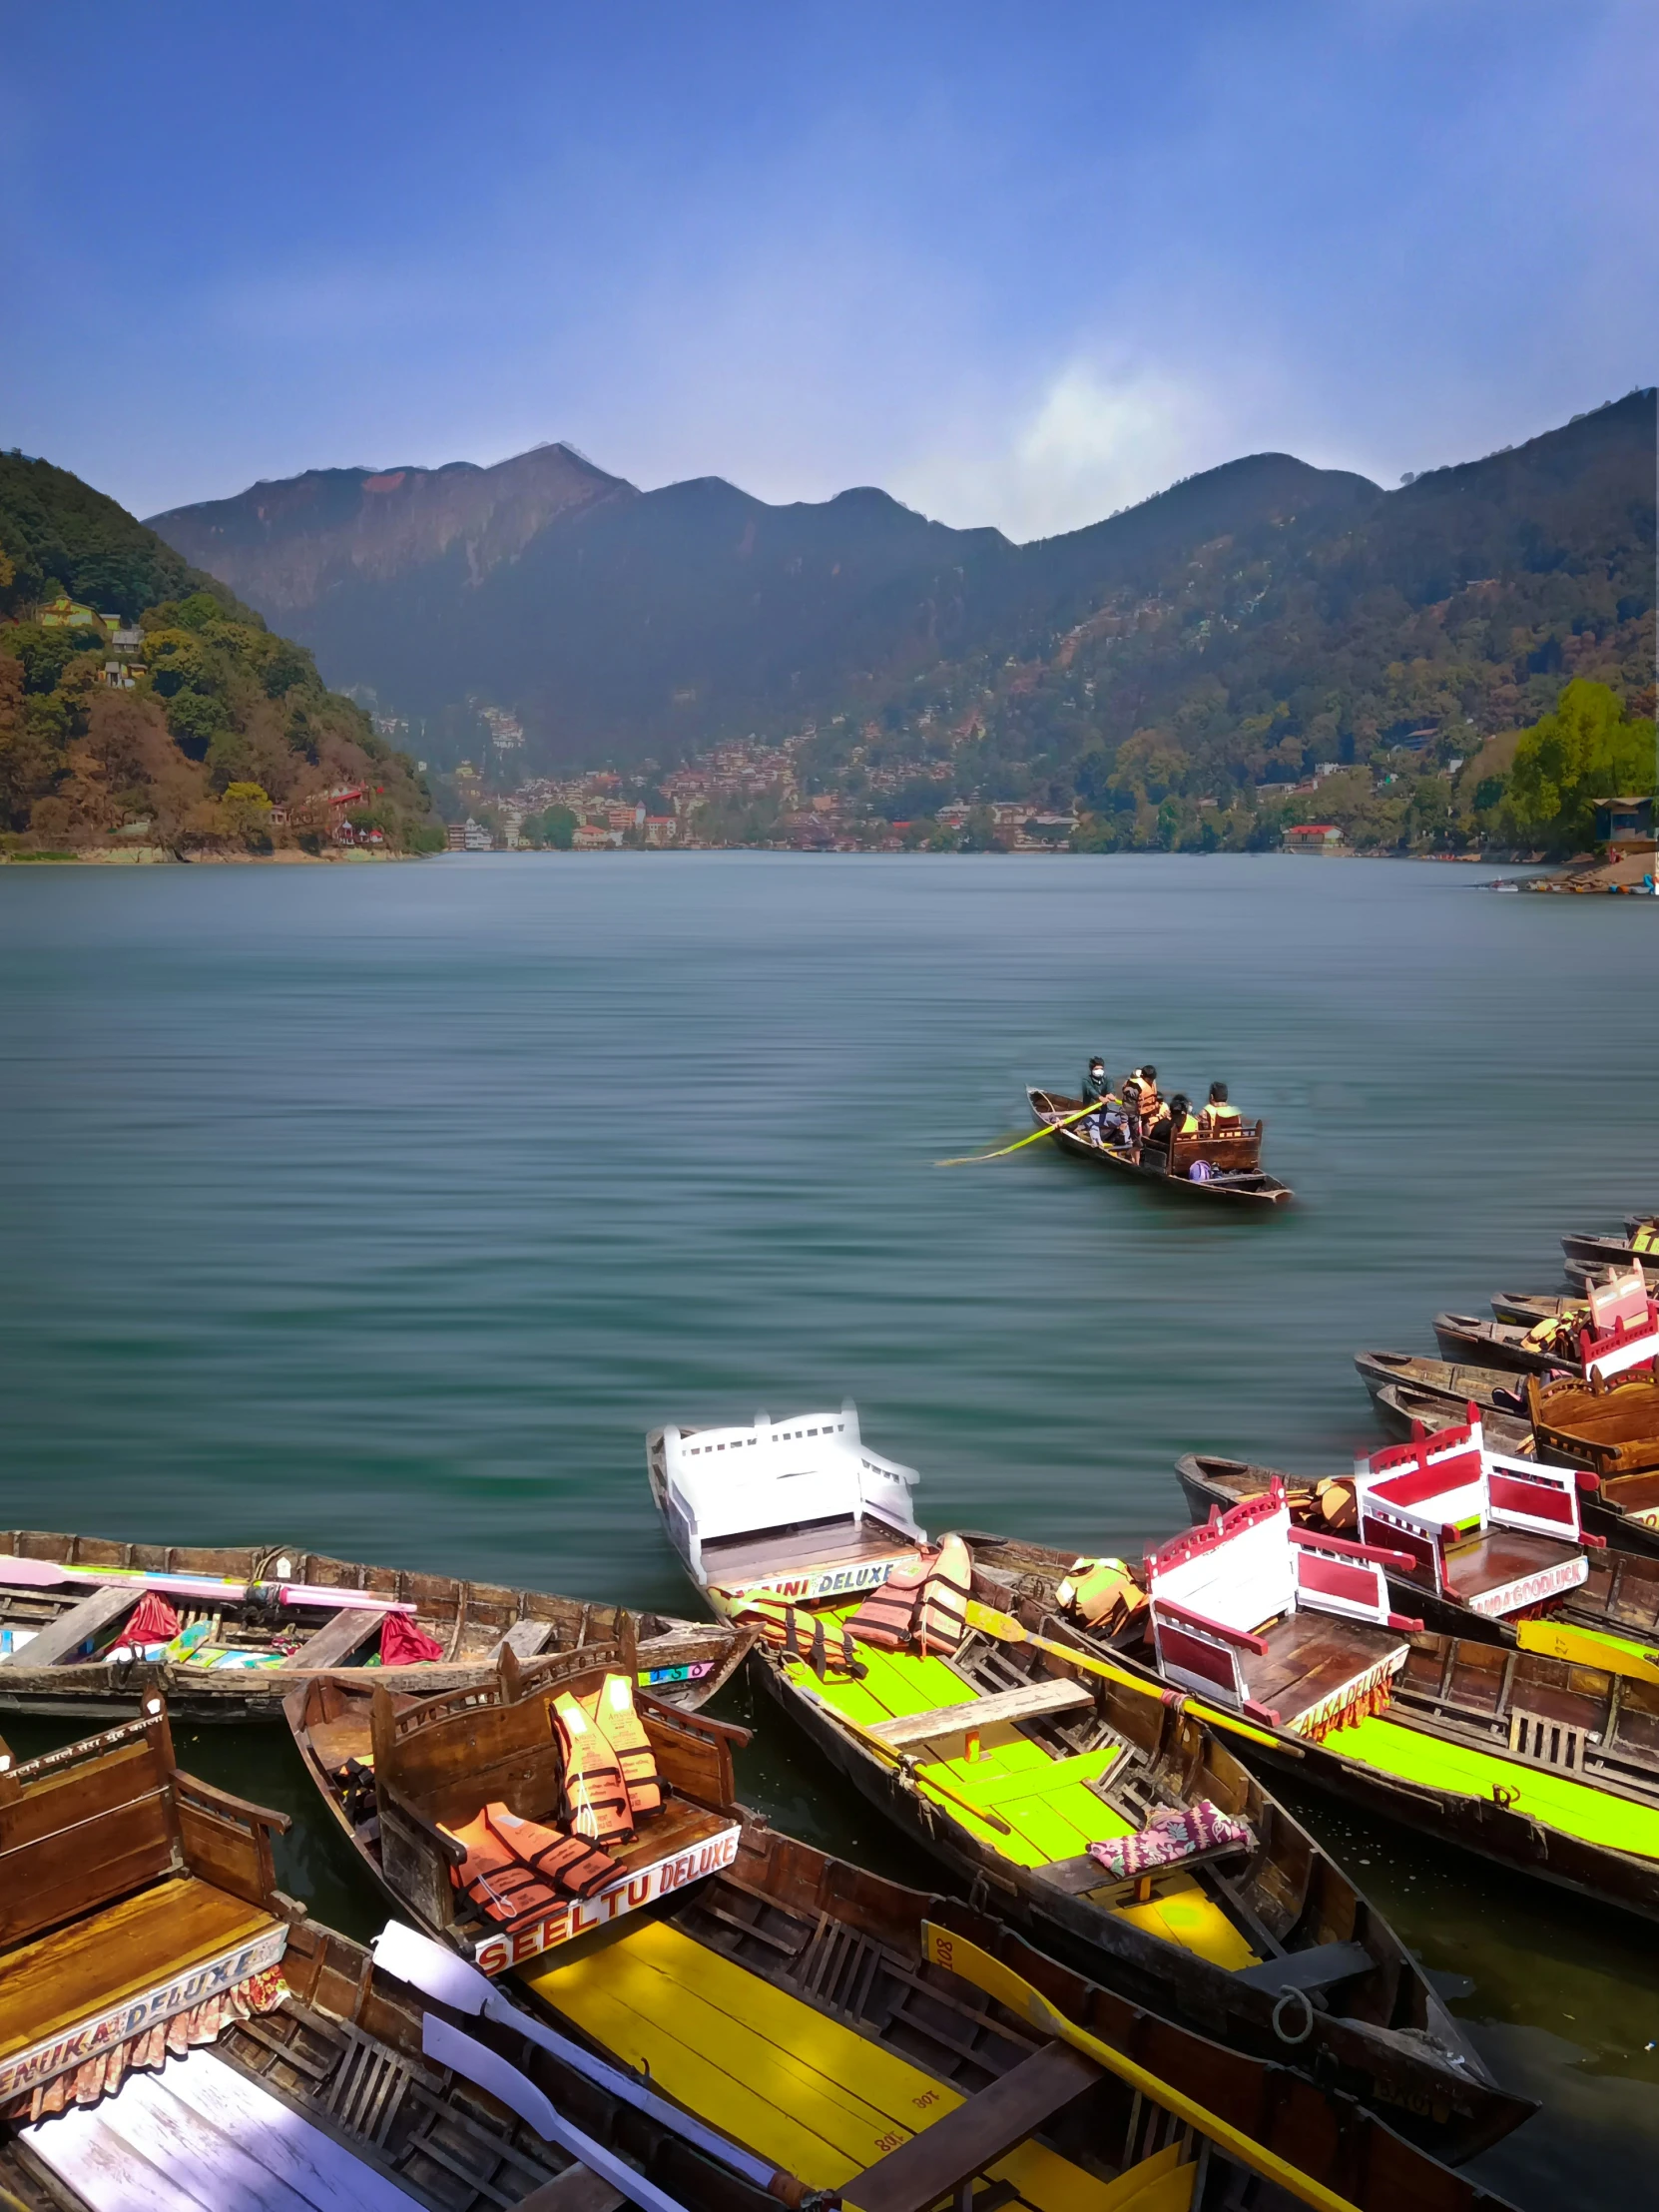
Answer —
1099 437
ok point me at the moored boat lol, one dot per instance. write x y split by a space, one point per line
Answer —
1450 1384
783 1512
1536 1349
1077 1801
1405 1412
1639 1246
1523 1309
176 2035
1486 1545
1546 1764
1229 1164
894 2050
512 1816
94 1626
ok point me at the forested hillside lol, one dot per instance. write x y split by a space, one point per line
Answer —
1235 632
141 701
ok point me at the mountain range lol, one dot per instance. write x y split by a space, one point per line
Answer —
1260 613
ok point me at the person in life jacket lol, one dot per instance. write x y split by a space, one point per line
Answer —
941 1614
595 1799
611 1710
1104 1593
884 1618
515 1867
1218 1117
1141 1102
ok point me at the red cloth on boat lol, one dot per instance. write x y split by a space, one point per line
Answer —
402 1643
152 1620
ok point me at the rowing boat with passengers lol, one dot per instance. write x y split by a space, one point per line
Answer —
853 2040
1547 1764
512 1816
177 2036
1076 1799
1475 1541
1230 1160
92 1626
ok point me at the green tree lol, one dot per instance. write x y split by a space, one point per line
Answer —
1584 750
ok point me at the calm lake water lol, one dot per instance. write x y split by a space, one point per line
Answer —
382 1209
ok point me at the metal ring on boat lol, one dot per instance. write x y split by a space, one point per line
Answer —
1286 1995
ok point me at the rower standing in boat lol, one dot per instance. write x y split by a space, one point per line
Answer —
1097 1086
1218 1118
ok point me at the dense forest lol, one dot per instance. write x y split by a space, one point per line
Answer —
140 701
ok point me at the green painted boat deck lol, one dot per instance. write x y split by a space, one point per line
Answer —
1050 1811
1555 1801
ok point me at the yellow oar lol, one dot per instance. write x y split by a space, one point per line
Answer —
959 1956
972 1159
1006 1629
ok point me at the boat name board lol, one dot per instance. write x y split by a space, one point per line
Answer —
55 2054
820 1582
1531 1589
493 1954
693 1671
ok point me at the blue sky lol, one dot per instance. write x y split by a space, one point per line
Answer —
1020 265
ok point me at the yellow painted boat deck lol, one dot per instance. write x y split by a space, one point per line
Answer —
1050 1811
1554 1800
787 2082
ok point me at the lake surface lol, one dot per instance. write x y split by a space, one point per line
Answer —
382 1209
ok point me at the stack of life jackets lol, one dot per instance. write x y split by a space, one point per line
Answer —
924 1605
1104 1593
803 1635
516 1867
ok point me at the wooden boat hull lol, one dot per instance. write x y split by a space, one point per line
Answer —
1149 1164
1445 2100
1595 1255
682 1661
1524 1309
1479 1823
840 1958
1399 1405
1492 1390
1466 1340
504 1728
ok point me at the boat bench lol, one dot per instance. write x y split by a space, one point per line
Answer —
1319 1969
1080 1875
964 2143
1033 1701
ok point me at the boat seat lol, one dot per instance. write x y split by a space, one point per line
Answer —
954 2149
1311 1659
337 1741
121 1952
1080 1876
1308 1971
1033 1701
1489 1566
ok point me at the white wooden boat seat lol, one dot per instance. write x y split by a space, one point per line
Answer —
966 1722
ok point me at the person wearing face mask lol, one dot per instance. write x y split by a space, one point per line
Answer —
1097 1088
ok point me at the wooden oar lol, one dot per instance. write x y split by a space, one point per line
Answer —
972 1159
1006 1629
959 1956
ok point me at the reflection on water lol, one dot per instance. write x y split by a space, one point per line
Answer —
381 1210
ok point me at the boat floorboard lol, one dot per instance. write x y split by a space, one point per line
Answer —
813 1546
1499 1558
1310 1657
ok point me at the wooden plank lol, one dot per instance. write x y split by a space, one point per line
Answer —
339 1637
1319 1969
72 1629
1031 1702
975 2135
577 2189
210 2167
103 2170
309 2162
525 1639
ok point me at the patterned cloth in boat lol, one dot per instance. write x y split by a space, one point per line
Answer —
1174 1832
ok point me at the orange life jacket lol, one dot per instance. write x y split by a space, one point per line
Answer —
595 1800
611 1708
1103 1593
516 1867
1139 1095
941 1616
886 1616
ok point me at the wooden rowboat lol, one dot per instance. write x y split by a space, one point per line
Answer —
176 2034
1467 1340
1008 1760
894 2050
1638 1247
1618 1600
1451 1381
391 1769
1234 1160
1403 1410
1524 1308
258 1619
